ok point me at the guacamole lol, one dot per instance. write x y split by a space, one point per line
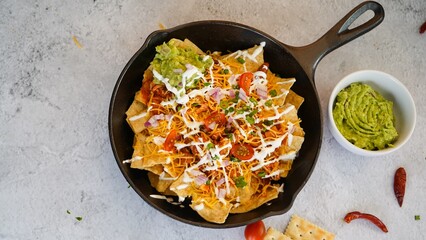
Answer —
173 59
364 117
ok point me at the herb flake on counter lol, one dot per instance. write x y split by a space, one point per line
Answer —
68 211
79 218
417 217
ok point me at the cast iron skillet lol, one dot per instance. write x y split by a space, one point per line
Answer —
287 61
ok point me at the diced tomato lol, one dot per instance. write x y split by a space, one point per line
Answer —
242 151
245 81
169 143
216 117
255 231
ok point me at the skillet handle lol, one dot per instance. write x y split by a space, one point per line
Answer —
309 56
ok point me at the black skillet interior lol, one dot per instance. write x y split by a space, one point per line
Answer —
219 36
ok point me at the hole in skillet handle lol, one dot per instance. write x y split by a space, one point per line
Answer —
341 33
356 20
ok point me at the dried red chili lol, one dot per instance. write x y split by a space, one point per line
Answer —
399 184
376 221
422 28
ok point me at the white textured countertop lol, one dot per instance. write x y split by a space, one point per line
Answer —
55 153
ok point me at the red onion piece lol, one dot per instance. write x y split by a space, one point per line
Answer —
220 182
242 95
196 172
225 163
221 193
201 179
262 91
231 93
216 94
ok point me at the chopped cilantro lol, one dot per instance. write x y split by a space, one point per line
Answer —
247 108
208 182
234 159
195 105
252 113
215 157
261 174
241 60
225 71
240 182
230 136
253 100
236 98
206 84
224 104
79 218
250 119
268 103
179 108
273 93
240 111
231 109
268 122
210 146
196 81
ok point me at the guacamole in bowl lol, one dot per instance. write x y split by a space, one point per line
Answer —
364 117
371 113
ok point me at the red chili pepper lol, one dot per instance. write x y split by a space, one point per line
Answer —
399 184
422 28
355 215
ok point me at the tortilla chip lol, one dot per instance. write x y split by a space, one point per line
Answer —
302 229
248 64
216 213
280 85
156 169
180 187
291 114
294 99
137 116
187 44
294 146
159 184
273 234
285 167
257 200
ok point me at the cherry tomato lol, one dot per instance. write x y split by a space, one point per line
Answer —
169 143
215 117
255 231
244 81
242 151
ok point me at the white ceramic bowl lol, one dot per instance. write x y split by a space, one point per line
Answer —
391 89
